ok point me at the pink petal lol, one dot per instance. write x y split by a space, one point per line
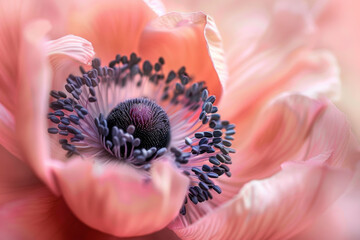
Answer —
330 134
280 60
14 17
338 222
247 15
187 39
73 47
32 97
16 178
65 55
7 130
274 208
113 27
38 214
334 19
28 210
32 92
278 134
116 198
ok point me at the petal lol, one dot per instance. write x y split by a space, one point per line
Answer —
312 73
16 178
187 39
28 210
116 198
338 221
113 27
330 134
279 61
71 46
32 97
37 214
15 15
32 92
334 33
157 6
274 208
7 131
65 55
279 133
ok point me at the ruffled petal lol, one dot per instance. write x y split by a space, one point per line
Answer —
187 39
66 54
278 134
274 208
71 46
314 74
113 27
330 134
281 60
116 198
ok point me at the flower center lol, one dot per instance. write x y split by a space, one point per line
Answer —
107 115
152 125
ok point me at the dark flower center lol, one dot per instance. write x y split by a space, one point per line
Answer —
151 123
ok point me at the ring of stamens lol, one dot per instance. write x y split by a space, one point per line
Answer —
200 141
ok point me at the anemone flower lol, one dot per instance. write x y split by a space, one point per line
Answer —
118 120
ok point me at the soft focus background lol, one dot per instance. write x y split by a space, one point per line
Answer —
336 28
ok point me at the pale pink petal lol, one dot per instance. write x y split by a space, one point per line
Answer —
274 208
336 22
319 77
238 21
157 6
339 221
279 61
287 27
278 134
187 39
330 134
113 27
116 198
66 54
73 47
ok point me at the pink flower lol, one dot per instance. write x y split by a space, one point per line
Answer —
139 139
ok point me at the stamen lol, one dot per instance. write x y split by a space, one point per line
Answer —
148 114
